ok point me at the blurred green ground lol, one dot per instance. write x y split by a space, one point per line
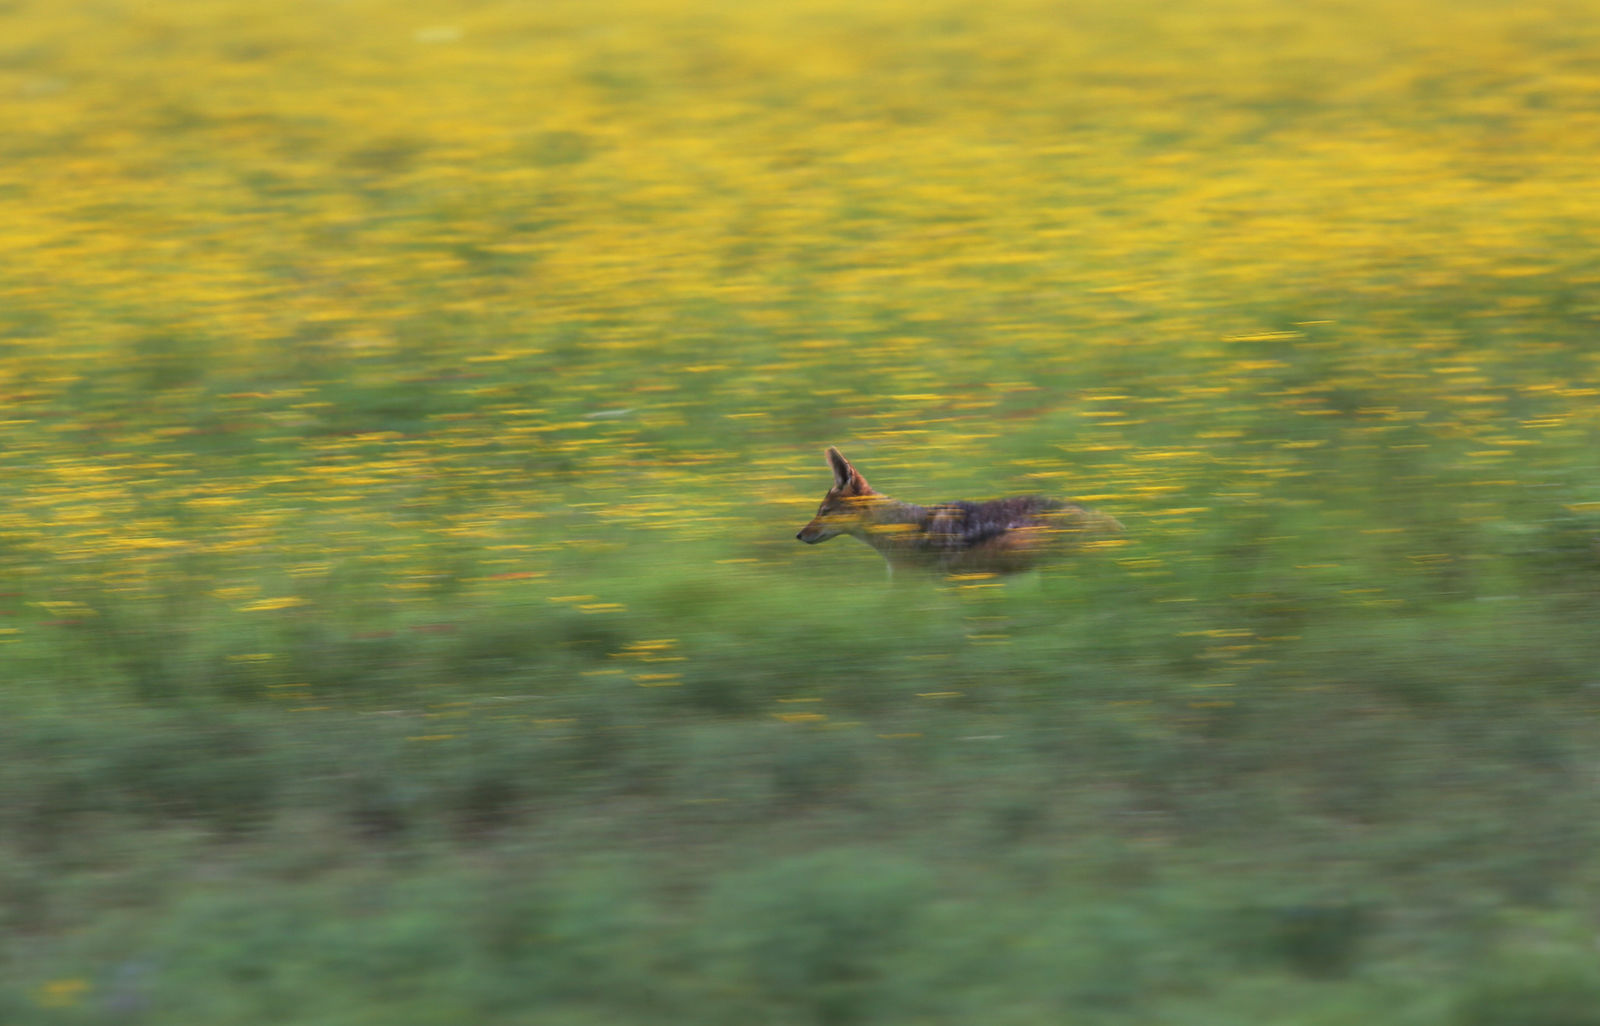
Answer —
408 412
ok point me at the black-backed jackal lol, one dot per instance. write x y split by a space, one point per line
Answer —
1000 536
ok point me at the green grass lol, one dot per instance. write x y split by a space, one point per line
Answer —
852 807
1255 766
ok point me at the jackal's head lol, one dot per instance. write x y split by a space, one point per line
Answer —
843 507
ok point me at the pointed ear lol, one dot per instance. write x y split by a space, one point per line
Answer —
846 478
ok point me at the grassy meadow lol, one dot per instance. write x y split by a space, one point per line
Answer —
406 412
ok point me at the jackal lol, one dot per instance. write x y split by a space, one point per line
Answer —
1000 536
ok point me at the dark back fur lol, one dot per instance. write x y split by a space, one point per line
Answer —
965 525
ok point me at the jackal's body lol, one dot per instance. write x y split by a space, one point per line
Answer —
998 536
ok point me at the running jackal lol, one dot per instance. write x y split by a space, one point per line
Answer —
1000 536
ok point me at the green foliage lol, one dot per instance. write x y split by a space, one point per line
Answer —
1318 939
1533 991
823 935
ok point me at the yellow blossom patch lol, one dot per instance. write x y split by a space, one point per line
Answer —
267 605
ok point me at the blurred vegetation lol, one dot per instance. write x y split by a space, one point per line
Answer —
408 412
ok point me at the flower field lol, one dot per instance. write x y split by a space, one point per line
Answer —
408 411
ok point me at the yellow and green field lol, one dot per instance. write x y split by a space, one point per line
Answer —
408 410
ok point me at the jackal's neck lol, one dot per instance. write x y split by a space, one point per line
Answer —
888 524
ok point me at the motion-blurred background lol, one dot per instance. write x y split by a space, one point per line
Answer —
408 410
